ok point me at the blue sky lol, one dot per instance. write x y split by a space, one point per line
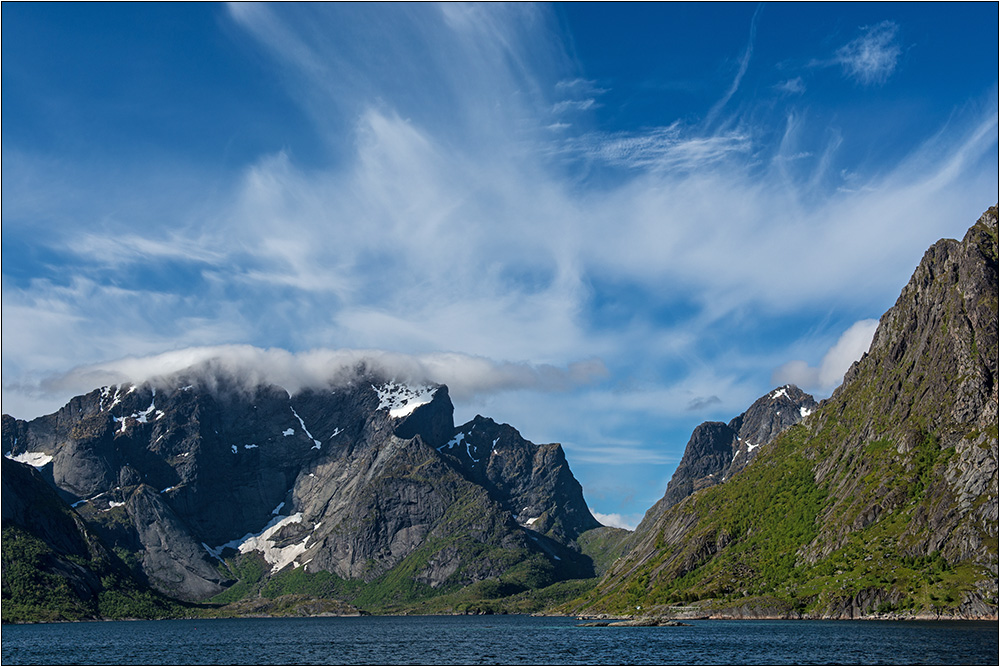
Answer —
601 223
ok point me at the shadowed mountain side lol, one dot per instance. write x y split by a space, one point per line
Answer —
190 477
54 568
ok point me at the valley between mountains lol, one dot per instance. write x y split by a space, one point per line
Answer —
202 494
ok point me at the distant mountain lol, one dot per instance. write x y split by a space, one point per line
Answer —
883 501
211 489
717 451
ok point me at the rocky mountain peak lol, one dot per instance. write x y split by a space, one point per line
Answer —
353 478
941 333
768 416
717 451
533 482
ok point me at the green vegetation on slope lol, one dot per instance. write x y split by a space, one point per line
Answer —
525 587
40 586
883 500
774 539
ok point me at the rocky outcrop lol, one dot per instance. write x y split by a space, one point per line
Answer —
531 482
925 396
30 506
355 479
172 561
643 622
769 416
54 567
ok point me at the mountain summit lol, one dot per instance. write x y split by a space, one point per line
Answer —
368 481
717 451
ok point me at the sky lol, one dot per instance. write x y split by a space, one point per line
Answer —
600 223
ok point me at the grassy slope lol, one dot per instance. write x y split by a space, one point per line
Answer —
752 541
527 584
861 509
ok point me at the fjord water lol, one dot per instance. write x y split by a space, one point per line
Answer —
497 640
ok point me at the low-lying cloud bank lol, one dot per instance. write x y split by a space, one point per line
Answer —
466 376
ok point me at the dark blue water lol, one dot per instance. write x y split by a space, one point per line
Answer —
496 640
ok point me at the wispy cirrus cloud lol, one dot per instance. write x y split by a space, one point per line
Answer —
663 148
740 72
574 105
794 86
871 57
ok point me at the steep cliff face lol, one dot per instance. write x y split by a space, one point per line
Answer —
922 405
882 501
357 480
532 482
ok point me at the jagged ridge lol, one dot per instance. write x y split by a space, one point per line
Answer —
191 478
882 502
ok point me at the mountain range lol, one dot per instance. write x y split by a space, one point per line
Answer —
190 480
203 493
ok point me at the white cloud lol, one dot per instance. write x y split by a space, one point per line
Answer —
824 378
574 105
672 148
580 84
794 86
744 64
466 376
871 58
617 520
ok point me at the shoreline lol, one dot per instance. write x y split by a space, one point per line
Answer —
609 618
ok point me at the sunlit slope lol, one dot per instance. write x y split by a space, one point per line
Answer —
883 501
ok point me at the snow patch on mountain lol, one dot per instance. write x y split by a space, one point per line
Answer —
454 442
316 443
34 459
141 416
400 399
277 557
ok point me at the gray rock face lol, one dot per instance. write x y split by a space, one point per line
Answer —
929 383
717 451
708 455
768 416
171 560
352 479
30 503
532 482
